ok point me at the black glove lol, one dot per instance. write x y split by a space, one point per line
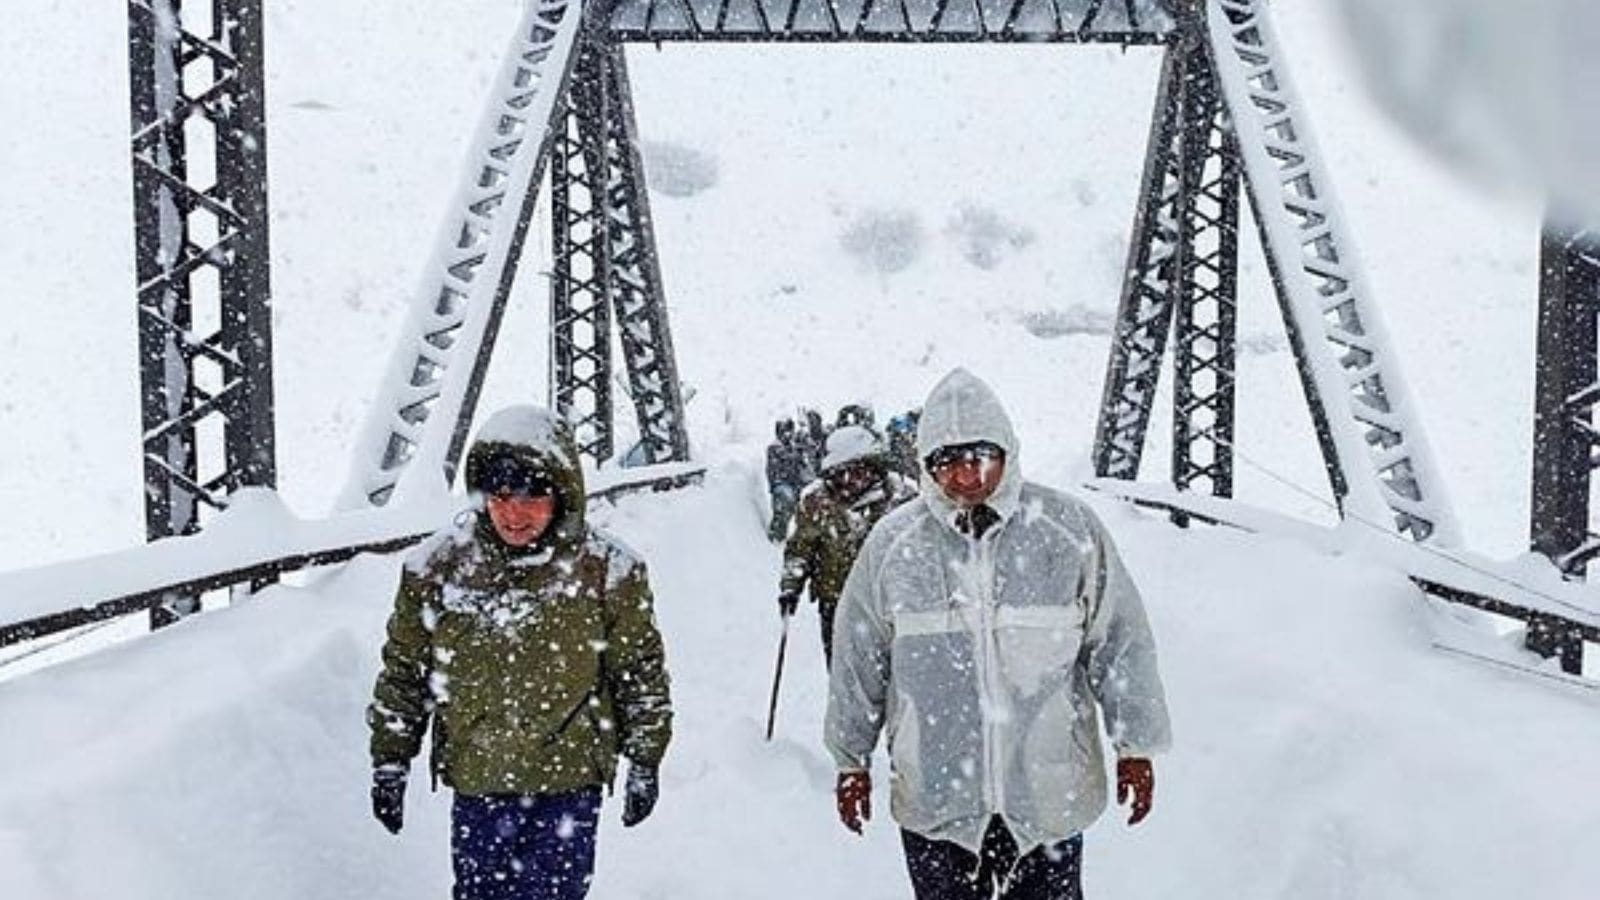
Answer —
788 603
389 797
640 794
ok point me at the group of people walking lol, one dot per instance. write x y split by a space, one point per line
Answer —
799 455
983 626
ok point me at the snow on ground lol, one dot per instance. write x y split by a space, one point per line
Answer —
1322 750
835 224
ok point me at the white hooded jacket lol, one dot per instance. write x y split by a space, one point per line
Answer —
988 661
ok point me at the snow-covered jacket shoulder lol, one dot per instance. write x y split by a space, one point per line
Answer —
622 561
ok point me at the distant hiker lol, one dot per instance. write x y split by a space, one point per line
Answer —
855 491
526 637
987 628
903 444
855 414
789 470
813 435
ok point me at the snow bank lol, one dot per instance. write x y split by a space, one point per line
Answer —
1322 749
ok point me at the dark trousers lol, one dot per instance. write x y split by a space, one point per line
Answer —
825 610
785 499
941 870
515 847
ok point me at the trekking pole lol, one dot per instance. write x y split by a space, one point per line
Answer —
777 677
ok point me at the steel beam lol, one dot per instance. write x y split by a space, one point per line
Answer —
1354 387
580 319
1566 388
201 259
1205 330
418 428
633 276
893 21
1144 316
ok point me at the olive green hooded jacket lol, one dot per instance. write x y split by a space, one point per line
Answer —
828 533
534 666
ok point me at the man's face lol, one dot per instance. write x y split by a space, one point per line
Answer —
851 480
969 474
520 519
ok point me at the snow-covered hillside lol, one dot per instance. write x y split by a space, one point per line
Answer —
836 224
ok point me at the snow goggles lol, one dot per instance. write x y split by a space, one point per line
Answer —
505 476
977 452
851 474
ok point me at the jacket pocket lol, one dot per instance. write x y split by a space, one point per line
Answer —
1038 645
445 737
568 718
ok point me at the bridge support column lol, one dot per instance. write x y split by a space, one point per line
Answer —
1565 393
1182 281
607 269
580 319
633 276
1144 316
1566 443
201 260
1205 332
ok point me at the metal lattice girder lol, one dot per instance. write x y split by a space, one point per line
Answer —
580 319
201 255
1144 317
1205 330
634 275
1567 387
1350 372
1069 21
421 420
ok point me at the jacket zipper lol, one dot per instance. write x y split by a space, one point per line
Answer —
988 667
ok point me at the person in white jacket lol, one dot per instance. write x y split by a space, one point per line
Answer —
986 627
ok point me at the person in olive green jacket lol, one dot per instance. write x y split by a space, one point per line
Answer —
526 639
836 512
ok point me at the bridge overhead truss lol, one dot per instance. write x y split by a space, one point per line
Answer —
1227 125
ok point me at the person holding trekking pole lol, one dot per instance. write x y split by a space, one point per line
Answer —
857 488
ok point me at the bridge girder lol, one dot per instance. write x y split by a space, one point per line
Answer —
201 260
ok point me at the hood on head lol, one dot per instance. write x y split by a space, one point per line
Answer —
963 409
849 444
541 440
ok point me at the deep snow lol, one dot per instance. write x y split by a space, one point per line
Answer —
1322 750
836 224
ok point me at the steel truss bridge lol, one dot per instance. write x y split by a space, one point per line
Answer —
1227 125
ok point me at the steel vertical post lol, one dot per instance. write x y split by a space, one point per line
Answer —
1144 316
1565 438
241 135
580 319
1205 329
1565 392
194 373
633 275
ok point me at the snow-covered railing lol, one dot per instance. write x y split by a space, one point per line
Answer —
255 539
1568 613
